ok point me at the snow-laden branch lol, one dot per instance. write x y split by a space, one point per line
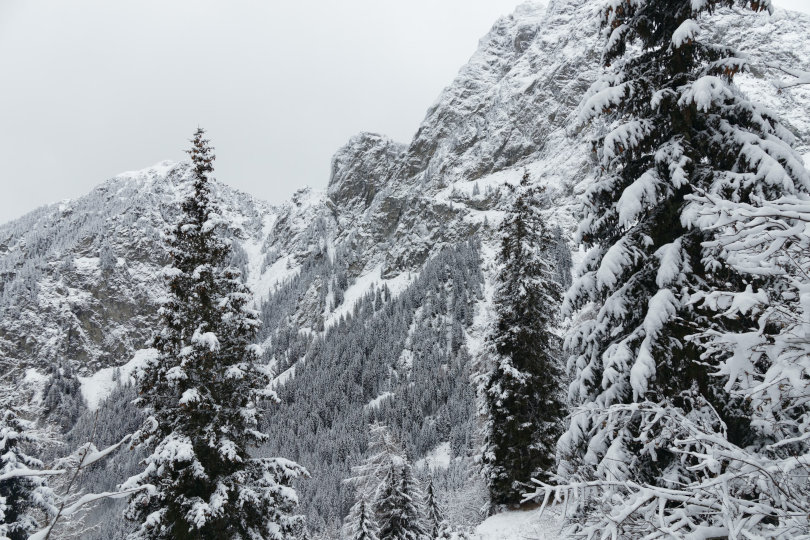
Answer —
799 77
88 498
718 502
85 456
24 472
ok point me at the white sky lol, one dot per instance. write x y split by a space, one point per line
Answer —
91 88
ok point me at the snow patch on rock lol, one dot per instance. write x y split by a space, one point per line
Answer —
98 386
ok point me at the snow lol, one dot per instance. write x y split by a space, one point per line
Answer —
685 33
363 285
260 283
705 93
274 274
283 377
97 387
379 399
522 525
86 264
159 169
191 395
438 458
36 381
206 339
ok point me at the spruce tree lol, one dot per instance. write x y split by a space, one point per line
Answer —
361 523
437 526
23 493
523 391
399 505
679 136
203 390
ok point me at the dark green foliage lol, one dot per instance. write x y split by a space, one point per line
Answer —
63 401
202 391
22 498
524 389
679 137
399 507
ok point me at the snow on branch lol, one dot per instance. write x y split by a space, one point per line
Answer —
738 493
85 456
798 77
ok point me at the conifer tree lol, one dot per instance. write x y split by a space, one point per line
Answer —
399 505
361 523
107 261
523 392
383 449
23 493
203 390
680 136
437 526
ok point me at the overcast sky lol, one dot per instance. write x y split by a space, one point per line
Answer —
91 88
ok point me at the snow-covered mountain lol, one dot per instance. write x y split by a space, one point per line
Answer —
391 211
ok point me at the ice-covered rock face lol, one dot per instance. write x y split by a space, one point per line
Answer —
388 206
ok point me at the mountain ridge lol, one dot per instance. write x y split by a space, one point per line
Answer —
325 261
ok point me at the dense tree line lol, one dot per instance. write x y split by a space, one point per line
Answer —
399 360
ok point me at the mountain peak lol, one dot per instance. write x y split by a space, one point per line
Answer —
361 168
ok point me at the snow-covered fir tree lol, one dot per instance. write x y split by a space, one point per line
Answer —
386 482
24 495
383 450
524 401
659 424
436 524
203 391
361 524
398 506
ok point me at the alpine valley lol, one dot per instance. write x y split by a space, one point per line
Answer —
375 295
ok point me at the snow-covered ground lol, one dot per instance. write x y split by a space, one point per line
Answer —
379 399
438 458
529 524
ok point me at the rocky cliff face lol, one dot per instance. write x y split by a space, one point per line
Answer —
388 207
